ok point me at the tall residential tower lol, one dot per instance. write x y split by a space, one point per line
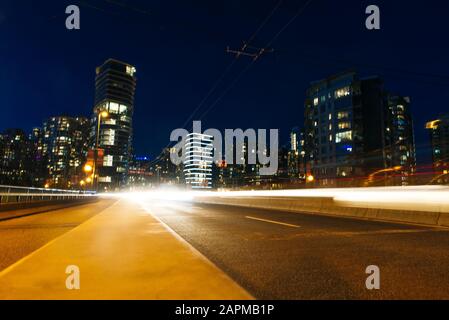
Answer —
112 129
439 137
357 134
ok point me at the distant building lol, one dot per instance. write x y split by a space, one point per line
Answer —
198 161
140 176
64 148
15 160
39 174
399 140
115 86
439 137
356 134
165 172
241 174
296 156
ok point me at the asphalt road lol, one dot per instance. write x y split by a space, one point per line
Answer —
280 255
21 236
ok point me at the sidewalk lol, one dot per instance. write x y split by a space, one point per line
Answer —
122 253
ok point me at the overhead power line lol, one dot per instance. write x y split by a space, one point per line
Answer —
298 13
221 78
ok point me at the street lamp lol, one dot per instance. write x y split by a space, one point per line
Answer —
101 114
88 168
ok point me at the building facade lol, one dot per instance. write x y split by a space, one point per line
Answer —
139 175
296 157
399 140
64 146
166 173
356 134
15 160
439 137
115 86
198 160
39 172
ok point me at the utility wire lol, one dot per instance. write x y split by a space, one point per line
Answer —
223 75
298 13
229 67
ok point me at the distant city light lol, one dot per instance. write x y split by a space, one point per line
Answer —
310 178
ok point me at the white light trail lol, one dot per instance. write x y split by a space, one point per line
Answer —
417 198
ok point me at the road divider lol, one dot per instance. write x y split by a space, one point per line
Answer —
331 206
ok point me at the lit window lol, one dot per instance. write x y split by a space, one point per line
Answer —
110 121
113 107
123 109
125 119
105 179
108 137
130 70
315 101
343 92
344 125
343 136
343 115
108 161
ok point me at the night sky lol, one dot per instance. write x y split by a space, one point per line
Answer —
178 48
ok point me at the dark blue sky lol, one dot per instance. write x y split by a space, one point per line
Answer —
178 48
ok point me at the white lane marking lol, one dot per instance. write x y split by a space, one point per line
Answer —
275 222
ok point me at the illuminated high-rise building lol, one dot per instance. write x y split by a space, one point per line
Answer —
439 137
15 160
296 155
115 86
198 161
357 134
64 149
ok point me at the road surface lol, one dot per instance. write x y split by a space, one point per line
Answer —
277 255
280 255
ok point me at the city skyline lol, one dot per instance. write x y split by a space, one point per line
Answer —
366 133
224 159
283 75
284 142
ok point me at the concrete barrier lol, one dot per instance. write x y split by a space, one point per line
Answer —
327 206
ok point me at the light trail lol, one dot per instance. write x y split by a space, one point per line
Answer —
415 198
